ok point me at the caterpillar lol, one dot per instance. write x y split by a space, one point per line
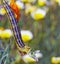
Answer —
19 42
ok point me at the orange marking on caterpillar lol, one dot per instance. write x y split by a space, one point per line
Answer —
15 9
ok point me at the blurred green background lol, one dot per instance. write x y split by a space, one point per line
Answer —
46 38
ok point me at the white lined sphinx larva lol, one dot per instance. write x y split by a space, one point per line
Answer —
20 44
13 21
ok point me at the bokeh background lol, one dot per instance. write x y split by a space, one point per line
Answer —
46 35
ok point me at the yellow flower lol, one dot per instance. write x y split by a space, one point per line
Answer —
41 2
20 4
29 8
26 35
55 60
2 11
38 14
28 59
57 1
6 33
25 1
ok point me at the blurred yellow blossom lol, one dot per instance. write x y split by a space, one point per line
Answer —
38 14
57 1
6 33
41 2
28 59
55 60
2 11
20 4
26 35
32 57
25 1
29 8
